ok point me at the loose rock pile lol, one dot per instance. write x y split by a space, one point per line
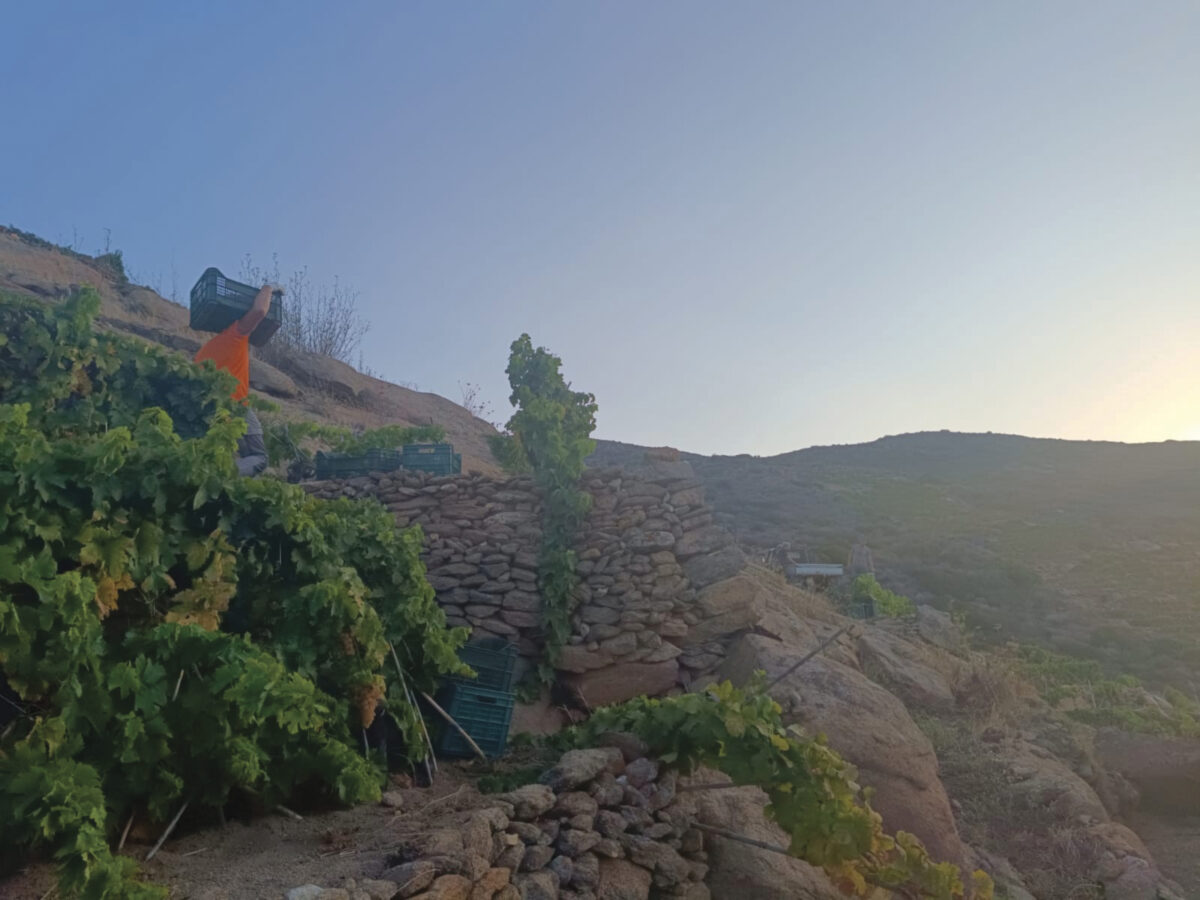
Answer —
646 553
598 826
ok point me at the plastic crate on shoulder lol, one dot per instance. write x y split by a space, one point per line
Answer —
484 714
217 302
493 660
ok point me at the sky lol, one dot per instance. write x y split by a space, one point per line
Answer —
745 227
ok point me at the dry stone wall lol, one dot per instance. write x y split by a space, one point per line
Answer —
646 554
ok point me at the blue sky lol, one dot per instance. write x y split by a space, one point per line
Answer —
746 227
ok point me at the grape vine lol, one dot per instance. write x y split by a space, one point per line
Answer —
813 794
550 433
174 633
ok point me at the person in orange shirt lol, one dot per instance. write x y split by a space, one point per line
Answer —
230 351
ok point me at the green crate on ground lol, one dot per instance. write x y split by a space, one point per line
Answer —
350 465
217 302
438 459
493 660
483 713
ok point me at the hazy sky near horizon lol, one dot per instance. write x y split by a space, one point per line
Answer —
746 227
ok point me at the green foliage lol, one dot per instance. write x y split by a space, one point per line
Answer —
866 590
552 428
290 441
129 552
507 450
115 262
1081 688
813 794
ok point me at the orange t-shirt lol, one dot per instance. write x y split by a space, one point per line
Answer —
230 350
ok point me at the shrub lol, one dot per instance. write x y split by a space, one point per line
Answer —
146 593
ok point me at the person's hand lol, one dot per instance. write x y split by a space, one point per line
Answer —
272 289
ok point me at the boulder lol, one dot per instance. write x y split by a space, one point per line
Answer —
914 673
866 725
618 683
710 568
725 608
937 628
739 870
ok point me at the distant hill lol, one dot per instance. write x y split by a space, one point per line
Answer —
306 386
1091 546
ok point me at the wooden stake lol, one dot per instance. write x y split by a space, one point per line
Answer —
445 715
289 813
125 833
413 703
166 834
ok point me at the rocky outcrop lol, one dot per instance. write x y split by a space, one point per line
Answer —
869 727
739 870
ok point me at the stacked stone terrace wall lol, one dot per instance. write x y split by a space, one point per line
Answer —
646 554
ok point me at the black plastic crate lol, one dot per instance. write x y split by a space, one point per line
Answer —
217 302
439 459
349 465
483 713
493 660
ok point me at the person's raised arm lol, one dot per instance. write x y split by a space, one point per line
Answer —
258 311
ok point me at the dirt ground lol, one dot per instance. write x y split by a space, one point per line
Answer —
266 858
1174 841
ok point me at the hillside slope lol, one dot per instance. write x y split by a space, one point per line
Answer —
305 386
1091 546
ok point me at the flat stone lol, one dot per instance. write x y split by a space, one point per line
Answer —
578 767
541 885
618 683
573 842
531 800
411 877
537 857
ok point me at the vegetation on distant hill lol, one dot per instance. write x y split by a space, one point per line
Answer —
813 792
865 591
317 319
550 434
147 595
1089 547
1080 688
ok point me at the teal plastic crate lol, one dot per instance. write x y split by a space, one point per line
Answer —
438 459
493 660
346 465
217 302
483 713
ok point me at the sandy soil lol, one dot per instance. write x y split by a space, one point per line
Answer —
264 859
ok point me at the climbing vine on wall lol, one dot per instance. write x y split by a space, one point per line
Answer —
550 433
